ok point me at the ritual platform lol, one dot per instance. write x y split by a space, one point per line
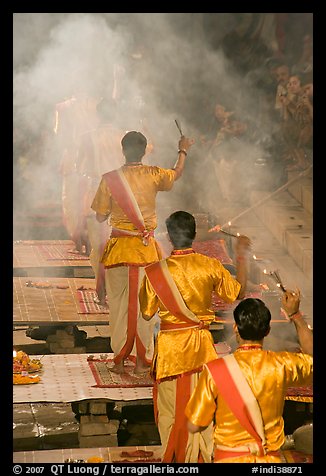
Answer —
49 258
56 301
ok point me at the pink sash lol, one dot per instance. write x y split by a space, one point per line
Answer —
167 291
123 195
237 393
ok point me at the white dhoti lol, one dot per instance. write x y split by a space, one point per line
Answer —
178 444
131 335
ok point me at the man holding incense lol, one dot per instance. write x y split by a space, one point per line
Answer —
243 393
127 196
180 289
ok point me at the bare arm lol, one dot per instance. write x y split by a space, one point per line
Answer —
242 247
184 144
291 303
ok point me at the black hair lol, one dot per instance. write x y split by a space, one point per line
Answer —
134 146
181 227
252 318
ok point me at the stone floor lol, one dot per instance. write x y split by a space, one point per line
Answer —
55 425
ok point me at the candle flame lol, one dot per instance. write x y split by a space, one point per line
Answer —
14 354
229 223
265 271
238 234
254 256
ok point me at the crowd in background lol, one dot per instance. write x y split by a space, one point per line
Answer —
276 132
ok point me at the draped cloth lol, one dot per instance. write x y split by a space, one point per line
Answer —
268 375
127 195
183 344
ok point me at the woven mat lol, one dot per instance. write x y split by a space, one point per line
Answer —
300 394
292 456
52 252
213 249
219 305
106 379
85 298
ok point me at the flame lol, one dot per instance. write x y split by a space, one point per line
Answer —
229 223
254 256
14 354
265 271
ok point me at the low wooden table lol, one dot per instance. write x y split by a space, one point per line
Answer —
33 306
49 258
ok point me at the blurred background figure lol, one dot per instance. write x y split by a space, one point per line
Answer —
74 117
99 152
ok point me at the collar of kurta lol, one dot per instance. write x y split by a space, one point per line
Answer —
186 251
250 347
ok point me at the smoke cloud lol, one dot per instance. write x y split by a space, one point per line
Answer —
168 66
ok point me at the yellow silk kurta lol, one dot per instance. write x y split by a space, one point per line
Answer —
145 181
196 276
268 374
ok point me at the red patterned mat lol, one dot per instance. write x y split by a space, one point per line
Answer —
87 305
219 305
104 378
305 391
213 249
300 394
292 456
52 252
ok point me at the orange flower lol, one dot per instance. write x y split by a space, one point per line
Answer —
95 459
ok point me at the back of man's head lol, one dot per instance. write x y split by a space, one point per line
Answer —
252 318
181 227
134 146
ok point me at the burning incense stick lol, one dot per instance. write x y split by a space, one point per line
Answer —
228 233
179 127
275 275
219 228
279 281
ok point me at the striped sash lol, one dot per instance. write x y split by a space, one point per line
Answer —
237 393
123 195
167 291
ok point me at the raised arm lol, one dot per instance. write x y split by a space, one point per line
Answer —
291 304
184 145
242 247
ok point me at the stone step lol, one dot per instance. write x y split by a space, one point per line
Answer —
302 191
41 426
270 256
290 224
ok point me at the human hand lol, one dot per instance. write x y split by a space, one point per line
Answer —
284 100
185 143
215 228
243 244
291 302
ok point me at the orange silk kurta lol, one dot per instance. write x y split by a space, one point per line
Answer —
196 276
145 182
268 374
